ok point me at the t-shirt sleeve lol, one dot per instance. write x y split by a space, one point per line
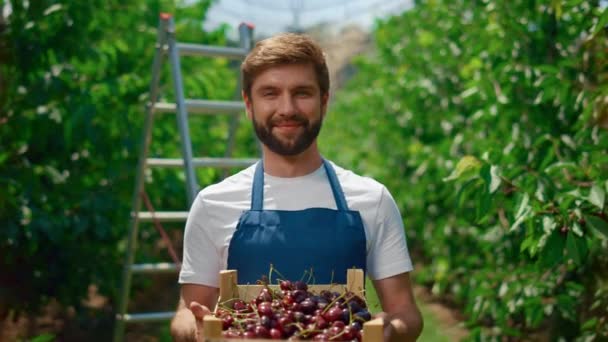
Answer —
388 254
201 260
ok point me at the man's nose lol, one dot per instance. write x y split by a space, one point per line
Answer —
287 106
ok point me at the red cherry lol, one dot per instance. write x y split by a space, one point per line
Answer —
300 285
249 335
321 337
227 322
239 305
333 314
264 296
276 334
265 309
260 331
285 285
349 333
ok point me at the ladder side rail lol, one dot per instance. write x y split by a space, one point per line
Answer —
139 183
182 116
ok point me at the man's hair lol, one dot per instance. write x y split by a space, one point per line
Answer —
284 49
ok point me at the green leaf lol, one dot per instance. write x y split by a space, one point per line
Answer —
577 248
491 175
553 251
523 211
467 166
590 324
600 24
548 224
597 196
483 207
598 224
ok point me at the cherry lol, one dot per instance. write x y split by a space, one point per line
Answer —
338 324
227 322
354 306
239 305
299 295
300 285
286 285
261 331
333 314
264 296
288 300
308 306
356 325
349 334
321 337
265 309
298 316
345 316
249 335
320 322
265 321
363 315
276 334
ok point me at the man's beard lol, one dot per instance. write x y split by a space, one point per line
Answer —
294 146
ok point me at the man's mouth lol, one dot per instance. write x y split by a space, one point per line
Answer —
288 124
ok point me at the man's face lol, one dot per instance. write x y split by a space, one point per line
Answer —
286 108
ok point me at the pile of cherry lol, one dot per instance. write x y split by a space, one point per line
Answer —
294 313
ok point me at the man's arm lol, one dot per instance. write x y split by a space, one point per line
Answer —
397 300
195 302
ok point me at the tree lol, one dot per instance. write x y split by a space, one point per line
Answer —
74 79
489 124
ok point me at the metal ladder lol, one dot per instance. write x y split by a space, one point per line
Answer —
167 45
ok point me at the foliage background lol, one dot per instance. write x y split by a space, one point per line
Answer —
489 124
74 82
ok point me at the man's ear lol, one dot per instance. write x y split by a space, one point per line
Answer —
248 104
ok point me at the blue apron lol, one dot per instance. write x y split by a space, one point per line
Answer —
323 240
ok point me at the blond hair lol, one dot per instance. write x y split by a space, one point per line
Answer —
283 49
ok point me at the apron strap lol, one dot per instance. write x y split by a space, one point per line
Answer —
336 188
257 191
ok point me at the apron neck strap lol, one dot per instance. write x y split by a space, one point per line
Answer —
257 191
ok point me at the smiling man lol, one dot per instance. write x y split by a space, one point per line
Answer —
293 209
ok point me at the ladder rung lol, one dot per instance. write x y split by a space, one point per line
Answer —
203 107
163 216
147 317
161 267
202 162
210 51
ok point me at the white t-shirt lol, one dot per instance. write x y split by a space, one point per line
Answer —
216 210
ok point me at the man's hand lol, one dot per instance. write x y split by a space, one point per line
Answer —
187 326
402 320
194 303
394 327
199 311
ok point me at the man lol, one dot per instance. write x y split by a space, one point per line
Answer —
293 210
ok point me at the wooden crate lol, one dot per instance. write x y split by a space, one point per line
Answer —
230 290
